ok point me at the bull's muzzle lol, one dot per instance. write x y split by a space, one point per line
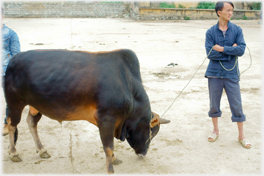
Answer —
141 155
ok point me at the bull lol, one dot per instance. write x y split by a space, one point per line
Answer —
103 88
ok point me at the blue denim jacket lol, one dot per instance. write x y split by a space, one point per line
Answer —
10 46
228 57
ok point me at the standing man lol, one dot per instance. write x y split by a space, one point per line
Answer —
10 47
227 43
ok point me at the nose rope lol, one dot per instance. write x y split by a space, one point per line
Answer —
150 135
150 132
200 67
187 83
231 68
236 64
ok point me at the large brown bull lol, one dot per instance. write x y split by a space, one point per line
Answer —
103 88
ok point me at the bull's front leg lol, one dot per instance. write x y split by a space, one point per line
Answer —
107 128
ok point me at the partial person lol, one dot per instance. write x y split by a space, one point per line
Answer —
10 47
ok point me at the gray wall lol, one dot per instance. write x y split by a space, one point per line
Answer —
98 9
65 9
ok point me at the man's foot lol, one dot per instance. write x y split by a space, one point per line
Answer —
245 143
213 137
5 130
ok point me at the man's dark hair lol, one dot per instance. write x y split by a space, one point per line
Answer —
220 4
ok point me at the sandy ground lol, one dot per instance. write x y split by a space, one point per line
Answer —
180 147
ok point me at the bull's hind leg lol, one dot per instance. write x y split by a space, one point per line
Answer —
13 133
12 121
32 125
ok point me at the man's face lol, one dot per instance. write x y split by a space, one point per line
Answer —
226 12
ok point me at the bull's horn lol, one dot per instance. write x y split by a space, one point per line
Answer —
164 121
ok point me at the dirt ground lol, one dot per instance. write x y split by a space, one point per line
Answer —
181 147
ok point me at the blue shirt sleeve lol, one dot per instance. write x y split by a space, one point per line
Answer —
14 45
238 50
209 43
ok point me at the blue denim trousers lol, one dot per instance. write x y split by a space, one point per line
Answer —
232 88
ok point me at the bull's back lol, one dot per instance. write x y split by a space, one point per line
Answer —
69 81
55 82
51 73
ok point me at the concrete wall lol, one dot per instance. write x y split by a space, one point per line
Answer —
142 10
192 14
239 5
186 4
61 9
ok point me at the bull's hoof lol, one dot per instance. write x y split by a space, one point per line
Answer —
16 158
117 161
110 169
44 154
110 172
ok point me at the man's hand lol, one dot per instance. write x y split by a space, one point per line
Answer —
221 48
218 48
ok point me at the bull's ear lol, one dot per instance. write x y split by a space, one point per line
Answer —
155 120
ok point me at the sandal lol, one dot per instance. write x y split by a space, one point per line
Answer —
244 143
212 137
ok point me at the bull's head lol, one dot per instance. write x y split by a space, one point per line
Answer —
139 138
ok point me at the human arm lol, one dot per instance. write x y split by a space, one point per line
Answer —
221 48
216 50
14 45
239 48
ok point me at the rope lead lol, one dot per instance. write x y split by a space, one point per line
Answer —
201 66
